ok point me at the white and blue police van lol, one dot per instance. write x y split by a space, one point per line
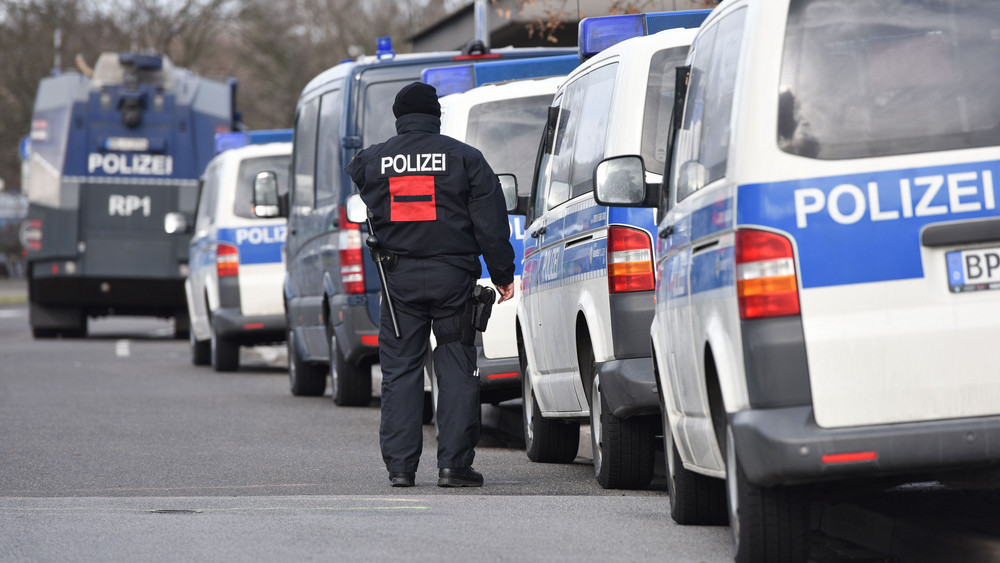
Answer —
587 282
237 268
827 258
500 108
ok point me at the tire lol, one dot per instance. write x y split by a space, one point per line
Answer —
624 449
305 379
695 499
182 324
768 523
546 441
350 384
201 350
225 352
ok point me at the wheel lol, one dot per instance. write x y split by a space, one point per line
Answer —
623 448
695 499
767 523
225 352
350 384
305 379
182 324
201 350
546 441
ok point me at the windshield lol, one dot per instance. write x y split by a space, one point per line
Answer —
507 132
874 77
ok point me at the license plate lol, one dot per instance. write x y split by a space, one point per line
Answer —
973 270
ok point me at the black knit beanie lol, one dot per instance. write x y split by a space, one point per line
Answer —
417 97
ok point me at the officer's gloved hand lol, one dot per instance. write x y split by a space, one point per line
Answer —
506 292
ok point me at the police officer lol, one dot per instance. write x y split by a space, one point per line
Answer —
435 205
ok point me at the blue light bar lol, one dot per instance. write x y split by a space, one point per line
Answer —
660 21
597 34
540 67
238 139
383 48
265 136
455 79
449 79
142 62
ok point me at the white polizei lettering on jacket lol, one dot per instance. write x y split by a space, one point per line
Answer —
847 204
409 163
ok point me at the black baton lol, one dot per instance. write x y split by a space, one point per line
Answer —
373 244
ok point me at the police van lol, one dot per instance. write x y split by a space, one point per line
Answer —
236 265
504 121
827 253
587 282
331 288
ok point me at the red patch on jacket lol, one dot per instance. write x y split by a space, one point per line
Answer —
412 198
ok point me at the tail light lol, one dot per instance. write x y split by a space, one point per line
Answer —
765 275
227 260
630 260
352 268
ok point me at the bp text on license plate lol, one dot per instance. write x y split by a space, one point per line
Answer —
973 270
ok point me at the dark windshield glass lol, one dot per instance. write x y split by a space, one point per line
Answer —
379 123
659 105
249 168
874 77
507 132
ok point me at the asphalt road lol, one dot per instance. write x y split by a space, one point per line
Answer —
116 448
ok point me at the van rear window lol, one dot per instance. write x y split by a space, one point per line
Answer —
507 133
249 168
872 78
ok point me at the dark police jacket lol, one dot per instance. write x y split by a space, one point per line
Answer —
432 196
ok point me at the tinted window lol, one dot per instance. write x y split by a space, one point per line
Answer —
589 139
874 78
328 166
558 188
206 201
305 156
378 123
703 140
659 105
249 168
507 132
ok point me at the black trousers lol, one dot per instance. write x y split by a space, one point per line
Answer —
427 292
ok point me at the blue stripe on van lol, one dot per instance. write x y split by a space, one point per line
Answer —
713 269
516 223
257 245
861 228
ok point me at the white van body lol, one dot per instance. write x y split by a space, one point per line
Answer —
863 135
504 121
580 338
245 308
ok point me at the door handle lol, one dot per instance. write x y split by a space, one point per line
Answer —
538 233
667 231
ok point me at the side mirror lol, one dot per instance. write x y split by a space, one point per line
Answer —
265 195
175 223
357 211
621 181
508 183
515 205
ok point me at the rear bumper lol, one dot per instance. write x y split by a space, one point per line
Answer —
102 296
499 378
786 446
255 329
357 335
629 387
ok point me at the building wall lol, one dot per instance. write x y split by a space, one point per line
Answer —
458 29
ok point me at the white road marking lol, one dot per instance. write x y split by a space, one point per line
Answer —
122 348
